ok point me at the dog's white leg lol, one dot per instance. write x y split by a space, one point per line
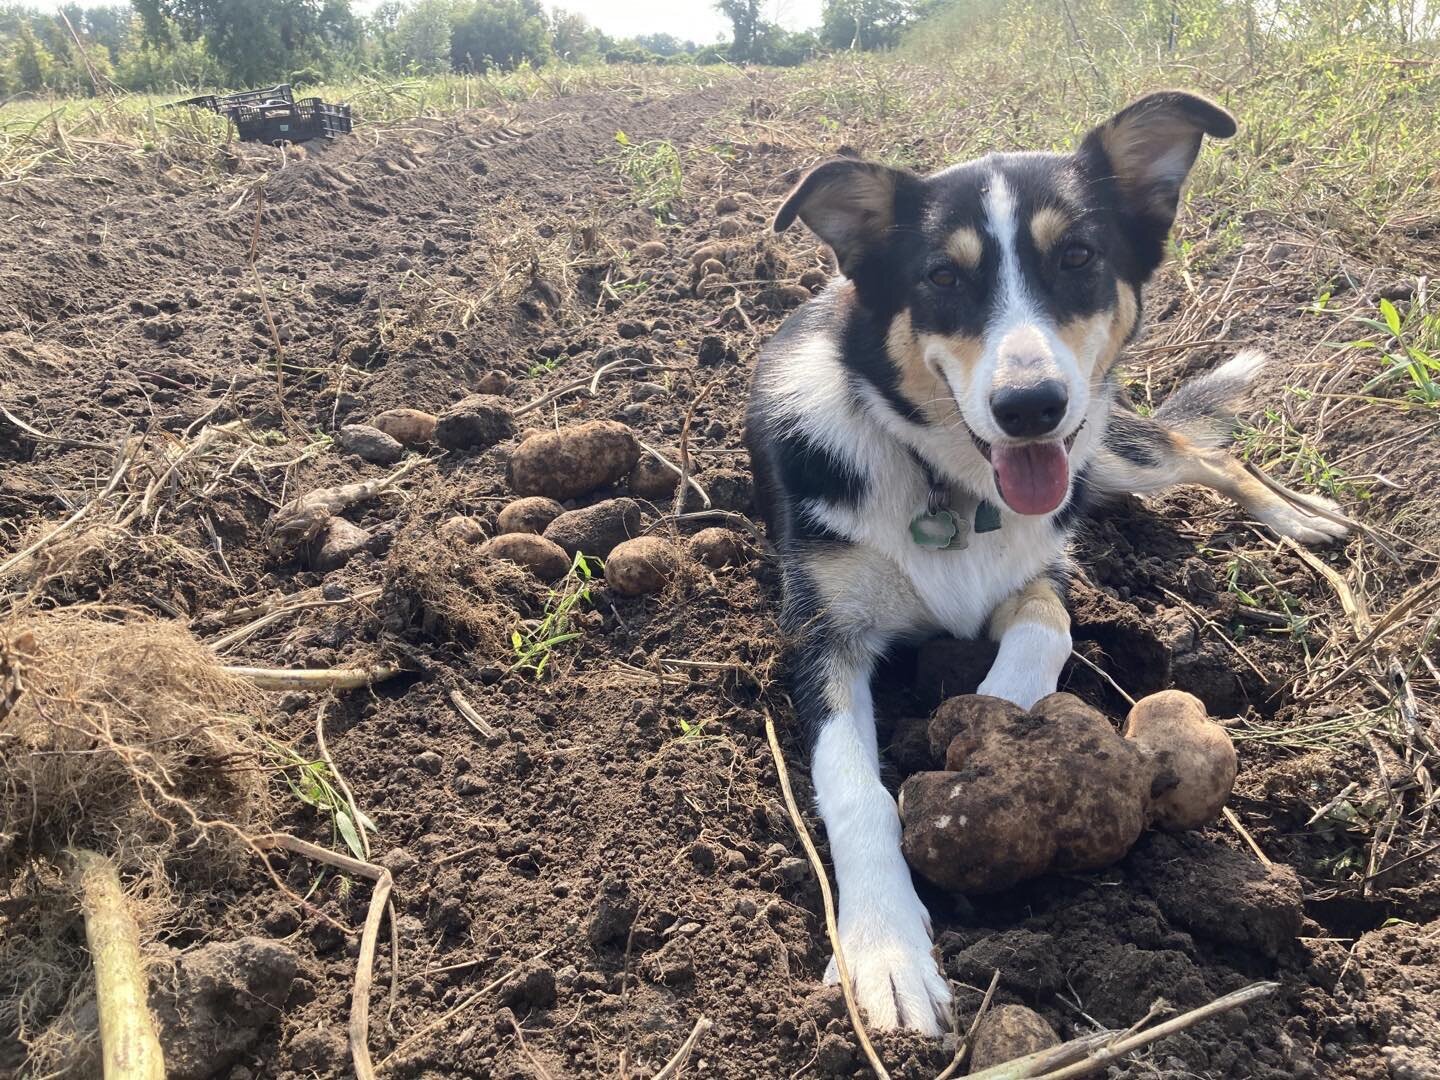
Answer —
884 928
1033 629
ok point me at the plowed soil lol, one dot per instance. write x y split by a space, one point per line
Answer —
620 835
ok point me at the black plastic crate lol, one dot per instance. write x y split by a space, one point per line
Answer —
223 103
309 118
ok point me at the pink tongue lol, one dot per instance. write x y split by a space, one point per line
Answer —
1033 478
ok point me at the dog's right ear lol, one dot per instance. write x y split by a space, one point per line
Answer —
848 203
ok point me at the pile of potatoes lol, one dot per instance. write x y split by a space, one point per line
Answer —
1055 788
537 532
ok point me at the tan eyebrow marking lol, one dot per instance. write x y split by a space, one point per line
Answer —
965 247
1047 227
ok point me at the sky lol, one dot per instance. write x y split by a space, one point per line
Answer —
688 20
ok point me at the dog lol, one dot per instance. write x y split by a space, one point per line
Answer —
924 433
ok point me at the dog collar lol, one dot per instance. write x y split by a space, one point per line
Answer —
947 523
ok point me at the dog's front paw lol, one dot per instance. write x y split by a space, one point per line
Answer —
895 977
1293 520
1022 687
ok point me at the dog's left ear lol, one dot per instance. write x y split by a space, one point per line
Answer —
1148 148
850 204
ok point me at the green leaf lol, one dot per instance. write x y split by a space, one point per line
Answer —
1391 315
348 833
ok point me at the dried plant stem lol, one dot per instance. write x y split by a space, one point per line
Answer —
70 522
963 1050
359 1026
684 484
489 987
826 899
313 679
1104 1049
129 1047
676 1063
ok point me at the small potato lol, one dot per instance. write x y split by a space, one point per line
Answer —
1008 1032
575 461
652 479
462 529
408 427
1194 759
717 547
643 565
528 515
543 558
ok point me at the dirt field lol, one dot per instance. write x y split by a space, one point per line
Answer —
620 834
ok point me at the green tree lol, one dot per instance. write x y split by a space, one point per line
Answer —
421 39
257 41
500 34
865 24
572 37
746 24
31 65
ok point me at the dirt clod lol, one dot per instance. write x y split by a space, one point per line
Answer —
474 423
369 443
338 543
212 1006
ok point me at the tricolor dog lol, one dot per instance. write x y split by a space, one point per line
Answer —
925 431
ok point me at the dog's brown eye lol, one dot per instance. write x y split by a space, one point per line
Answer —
1075 256
945 277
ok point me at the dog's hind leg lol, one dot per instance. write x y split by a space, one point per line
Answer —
1183 443
842 608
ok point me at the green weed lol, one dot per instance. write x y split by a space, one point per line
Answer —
535 640
312 782
654 169
1409 345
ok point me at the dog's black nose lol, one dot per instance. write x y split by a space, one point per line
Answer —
1027 411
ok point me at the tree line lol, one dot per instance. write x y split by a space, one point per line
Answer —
161 45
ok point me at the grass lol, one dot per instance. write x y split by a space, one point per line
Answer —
1275 445
535 641
654 169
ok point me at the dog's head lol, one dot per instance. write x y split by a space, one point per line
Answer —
1009 285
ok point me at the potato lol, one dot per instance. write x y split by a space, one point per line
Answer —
1028 793
1194 759
462 529
1056 788
543 558
528 515
652 479
643 565
408 427
575 461
1008 1032
717 547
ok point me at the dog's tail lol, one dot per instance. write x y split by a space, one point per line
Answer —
1206 409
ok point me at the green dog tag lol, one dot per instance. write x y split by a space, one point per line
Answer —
939 531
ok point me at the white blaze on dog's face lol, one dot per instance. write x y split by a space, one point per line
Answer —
1010 284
